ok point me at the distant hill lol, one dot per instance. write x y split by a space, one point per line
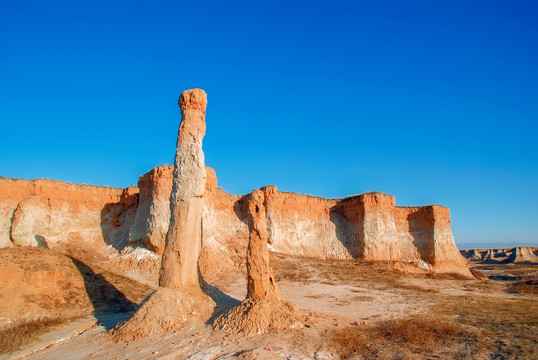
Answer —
502 256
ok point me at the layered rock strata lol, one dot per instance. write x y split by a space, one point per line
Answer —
47 212
367 226
502 256
153 214
263 309
179 299
385 232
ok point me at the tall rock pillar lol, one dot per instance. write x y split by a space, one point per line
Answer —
179 300
179 267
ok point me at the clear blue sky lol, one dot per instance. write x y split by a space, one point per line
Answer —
430 101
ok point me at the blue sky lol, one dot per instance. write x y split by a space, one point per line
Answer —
430 101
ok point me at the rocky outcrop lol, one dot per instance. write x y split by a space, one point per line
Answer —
305 225
47 212
179 300
502 256
181 210
367 226
261 283
263 309
153 214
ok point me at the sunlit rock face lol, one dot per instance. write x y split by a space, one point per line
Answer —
153 215
367 226
180 300
48 213
179 267
502 256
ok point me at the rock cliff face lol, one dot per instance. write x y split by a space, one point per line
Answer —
367 226
179 212
153 214
385 232
46 212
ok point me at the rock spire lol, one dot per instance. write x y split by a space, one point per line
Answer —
179 300
263 309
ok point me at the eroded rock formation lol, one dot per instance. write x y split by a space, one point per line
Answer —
179 298
153 214
126 222
263 308
367 226
47 212
385 232
261 283
502 256
184 238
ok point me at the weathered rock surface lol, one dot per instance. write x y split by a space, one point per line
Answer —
385 232
502 256
153 214
263 309
261 283
368 226
179 267
179 300
46 212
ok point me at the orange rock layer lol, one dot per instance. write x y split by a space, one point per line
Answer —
368 226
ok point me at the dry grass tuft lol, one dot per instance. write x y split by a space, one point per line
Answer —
426 335
524 287
509 323
16 336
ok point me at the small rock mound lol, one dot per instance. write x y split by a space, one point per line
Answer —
165 310
253 317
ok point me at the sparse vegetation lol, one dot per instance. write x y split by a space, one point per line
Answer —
408 338
509 323
477 319
524 287
15 336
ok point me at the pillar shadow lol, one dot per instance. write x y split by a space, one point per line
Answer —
223 301
422 233
345 232
108 302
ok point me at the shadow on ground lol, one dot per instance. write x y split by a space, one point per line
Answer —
110 305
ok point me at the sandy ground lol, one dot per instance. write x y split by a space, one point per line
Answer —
335 294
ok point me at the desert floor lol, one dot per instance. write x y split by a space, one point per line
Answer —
355 309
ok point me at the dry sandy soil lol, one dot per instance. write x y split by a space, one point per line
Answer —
356 310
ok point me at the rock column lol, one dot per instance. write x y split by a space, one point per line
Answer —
183 241
260 280
263 309
179 301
